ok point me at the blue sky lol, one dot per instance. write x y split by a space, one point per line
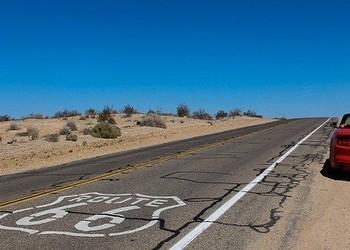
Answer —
279 58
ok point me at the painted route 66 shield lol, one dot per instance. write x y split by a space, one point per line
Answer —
91 215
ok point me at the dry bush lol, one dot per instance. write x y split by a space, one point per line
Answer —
65 131
87 131
129 110
201 114
105 130
252 113
66 113
106 115
35 116
53 137
72 125
235 112
153 120
183 110
4 118
221 114
14 126
33 133
71 137
90 112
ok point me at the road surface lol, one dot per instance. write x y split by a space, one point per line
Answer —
222 191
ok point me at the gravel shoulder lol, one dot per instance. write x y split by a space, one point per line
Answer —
326 224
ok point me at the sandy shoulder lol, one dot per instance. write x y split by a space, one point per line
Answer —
24 154
326 225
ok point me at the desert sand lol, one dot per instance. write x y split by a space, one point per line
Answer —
19 153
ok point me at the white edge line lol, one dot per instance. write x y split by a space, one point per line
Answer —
188 238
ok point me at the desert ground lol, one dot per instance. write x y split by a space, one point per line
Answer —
19 153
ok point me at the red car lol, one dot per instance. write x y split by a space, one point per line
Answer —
340 146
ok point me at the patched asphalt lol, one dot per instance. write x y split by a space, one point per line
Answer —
155 206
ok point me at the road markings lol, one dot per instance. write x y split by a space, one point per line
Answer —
194 233
126 169
99 215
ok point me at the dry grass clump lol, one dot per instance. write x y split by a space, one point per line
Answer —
153 120
87 131
53 137
105 130
182 110
90 113
235 112
35 116
201 114
252 113
221 114
71 137
4 118
66 113
106 115
65 131
33 133
72 125
129 110
14 126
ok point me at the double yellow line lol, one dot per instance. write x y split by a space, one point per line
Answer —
126 169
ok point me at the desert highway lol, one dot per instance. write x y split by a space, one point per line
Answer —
223 191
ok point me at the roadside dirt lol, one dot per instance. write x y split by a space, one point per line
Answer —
313 210
326 225
18 153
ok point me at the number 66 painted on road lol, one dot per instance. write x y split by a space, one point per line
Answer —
60 212
146 206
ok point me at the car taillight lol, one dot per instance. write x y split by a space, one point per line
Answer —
343 141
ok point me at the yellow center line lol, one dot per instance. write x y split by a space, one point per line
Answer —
127 169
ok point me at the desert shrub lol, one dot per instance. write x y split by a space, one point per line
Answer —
90 112
72 125
83 118
105 130
53 137
235 112
151 111
66 113
182 110
252 113
65 131
33 133
106 115
167 114
86 131
129 110
71 137
153 120
221 114
4 118
35 116
201 114
14 126
157 111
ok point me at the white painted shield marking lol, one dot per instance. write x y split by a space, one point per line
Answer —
88 216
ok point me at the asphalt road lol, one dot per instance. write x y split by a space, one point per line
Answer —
153 197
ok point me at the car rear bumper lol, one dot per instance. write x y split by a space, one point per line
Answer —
342 166
340 158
